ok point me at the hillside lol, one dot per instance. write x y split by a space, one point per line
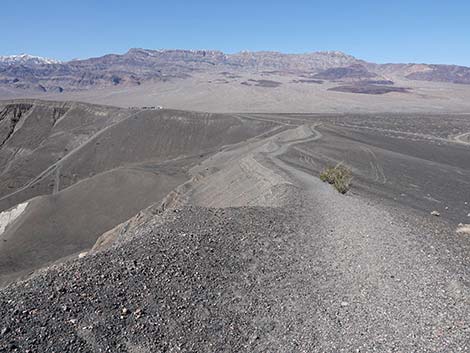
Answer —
70 161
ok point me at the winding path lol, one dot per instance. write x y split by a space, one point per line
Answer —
463 138
374 278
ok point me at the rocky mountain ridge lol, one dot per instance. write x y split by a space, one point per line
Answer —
142 65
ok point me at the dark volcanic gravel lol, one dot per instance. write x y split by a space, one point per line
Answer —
209 280
330 274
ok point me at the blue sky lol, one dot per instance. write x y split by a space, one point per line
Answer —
392 31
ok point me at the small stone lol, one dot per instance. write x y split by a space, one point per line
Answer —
435 213
138 313
447 207
4 331
125 311
344 303
254 338
73 321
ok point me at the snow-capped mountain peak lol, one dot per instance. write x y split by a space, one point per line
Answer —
26 59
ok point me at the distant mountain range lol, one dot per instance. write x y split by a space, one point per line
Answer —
137 66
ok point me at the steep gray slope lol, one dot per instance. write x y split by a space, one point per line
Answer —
69 222
90 168
43 135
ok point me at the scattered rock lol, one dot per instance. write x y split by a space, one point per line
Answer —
138 313
463 229
124 313
13 346
144 289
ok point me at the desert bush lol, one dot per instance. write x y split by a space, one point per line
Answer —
339 176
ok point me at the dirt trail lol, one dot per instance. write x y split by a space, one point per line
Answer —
463 138
370 278
378 286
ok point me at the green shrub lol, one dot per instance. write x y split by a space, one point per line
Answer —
340 177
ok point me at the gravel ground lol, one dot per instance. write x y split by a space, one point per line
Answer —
207 280
390 280
298 279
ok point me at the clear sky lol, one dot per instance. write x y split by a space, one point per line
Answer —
431 31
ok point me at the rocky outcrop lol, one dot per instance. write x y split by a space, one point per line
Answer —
9 118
